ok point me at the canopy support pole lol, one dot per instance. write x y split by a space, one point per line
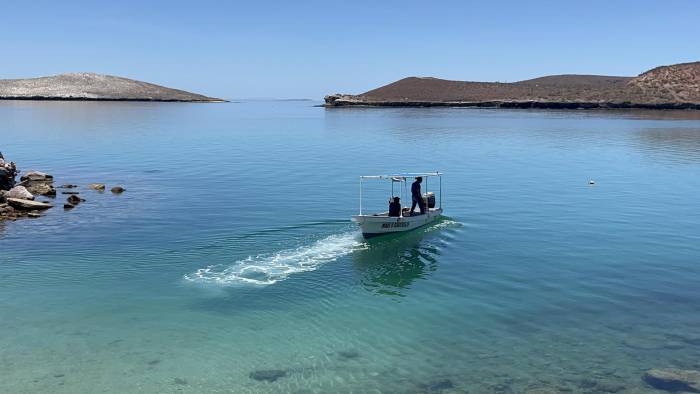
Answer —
360 196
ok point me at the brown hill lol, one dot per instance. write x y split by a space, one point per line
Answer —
675 86
677 83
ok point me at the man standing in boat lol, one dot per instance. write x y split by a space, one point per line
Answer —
417 196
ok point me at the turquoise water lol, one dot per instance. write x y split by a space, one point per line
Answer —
232 251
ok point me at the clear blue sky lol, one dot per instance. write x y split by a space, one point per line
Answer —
295 49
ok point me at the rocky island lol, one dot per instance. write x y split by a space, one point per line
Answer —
94 87
667 87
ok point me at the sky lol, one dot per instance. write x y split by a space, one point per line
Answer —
307 49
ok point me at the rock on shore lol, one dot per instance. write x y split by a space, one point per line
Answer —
38 183
18 200
90 86
19 192
27 205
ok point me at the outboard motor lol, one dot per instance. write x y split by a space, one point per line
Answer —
430 197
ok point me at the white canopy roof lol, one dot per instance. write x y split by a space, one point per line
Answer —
403 175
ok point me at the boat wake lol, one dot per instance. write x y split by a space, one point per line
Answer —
267 269
444 222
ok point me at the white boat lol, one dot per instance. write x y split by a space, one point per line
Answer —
381 223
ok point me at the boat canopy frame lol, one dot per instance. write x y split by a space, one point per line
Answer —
402 178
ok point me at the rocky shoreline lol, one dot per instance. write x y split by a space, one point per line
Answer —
339 100
19 199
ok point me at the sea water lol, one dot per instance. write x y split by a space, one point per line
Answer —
230 263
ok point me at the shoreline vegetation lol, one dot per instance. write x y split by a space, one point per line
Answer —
94 87
666 87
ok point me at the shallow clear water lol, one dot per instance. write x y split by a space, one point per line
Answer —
232 251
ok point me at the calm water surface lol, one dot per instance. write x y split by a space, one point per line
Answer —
232 251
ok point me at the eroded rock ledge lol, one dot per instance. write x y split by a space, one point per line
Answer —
357 101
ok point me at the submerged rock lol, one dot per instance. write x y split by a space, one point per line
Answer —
673 380
68 206
118 190
685 338
543 390
100 187
74 200
600 386
68 186
610 387
268 375
436 386
348 354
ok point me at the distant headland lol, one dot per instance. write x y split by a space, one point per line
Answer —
93 87
666 87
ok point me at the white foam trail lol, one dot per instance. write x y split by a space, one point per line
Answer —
445 223
268 269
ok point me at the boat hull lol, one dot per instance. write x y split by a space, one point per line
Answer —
372 226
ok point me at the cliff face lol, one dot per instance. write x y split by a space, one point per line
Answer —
675 86
89 86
